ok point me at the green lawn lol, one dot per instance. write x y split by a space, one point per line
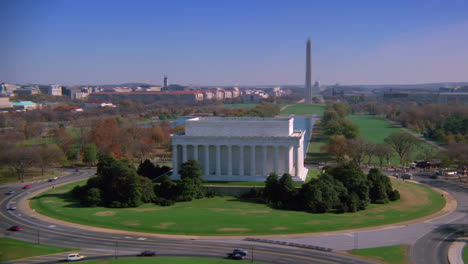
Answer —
314 154
376 129
312 173
465 254
372 128
303 109
238 106
390 255
39 141
15 249
233 216
164 260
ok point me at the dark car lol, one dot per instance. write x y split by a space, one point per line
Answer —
240 251
147 253
15 228
236 256
27 186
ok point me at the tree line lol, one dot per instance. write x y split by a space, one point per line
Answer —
344 188
118 184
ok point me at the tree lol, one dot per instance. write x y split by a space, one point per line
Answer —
19 158
147 169
403 144
382 152
90 154
286 192
354 180
47 155
191 183
379 186
336 146
357 149
271 188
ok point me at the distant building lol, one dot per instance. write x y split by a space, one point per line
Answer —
254 96
165 82
53 89
7 89
24 105
5 103
28 90
191 96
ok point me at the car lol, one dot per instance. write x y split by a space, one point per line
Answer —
12 207
74 257
27 186
407 176
15 228
236 256
147 253
53 179
77 170
240 251
10 192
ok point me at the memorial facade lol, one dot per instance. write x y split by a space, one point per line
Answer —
240 148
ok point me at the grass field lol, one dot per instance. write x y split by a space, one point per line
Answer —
164 260
303 109
372 128
390 255
465 254
238 106
233 216
15 249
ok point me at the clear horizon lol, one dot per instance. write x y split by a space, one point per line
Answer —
233 43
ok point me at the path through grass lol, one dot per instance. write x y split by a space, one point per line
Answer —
390 255
11 249
234 216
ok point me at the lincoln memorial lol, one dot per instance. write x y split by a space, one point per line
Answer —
240 148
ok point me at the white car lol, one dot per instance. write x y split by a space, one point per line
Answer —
75 257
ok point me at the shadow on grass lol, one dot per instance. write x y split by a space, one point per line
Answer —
67 197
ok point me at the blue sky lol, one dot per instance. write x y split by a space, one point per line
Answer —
244 42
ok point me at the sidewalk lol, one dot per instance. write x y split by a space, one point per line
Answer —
456 250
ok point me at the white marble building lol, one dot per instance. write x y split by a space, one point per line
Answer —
240 148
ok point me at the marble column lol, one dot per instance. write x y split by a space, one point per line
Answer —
286 159
207 160
175 170
252 161
218 160
195 152
296 161
241 160
264 163
229 161
184 153
275 162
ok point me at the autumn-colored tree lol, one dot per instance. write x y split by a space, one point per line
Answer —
336 146
403 144
105 135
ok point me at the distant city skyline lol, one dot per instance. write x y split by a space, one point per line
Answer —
255 42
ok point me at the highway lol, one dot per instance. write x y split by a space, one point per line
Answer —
104 244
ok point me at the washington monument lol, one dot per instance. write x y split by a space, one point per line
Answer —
308 83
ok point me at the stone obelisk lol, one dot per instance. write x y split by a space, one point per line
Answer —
308 82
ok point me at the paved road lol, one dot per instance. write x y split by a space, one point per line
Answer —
432 248
107 244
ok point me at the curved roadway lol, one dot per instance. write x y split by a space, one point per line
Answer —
38 231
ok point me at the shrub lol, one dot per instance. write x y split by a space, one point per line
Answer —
395 195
